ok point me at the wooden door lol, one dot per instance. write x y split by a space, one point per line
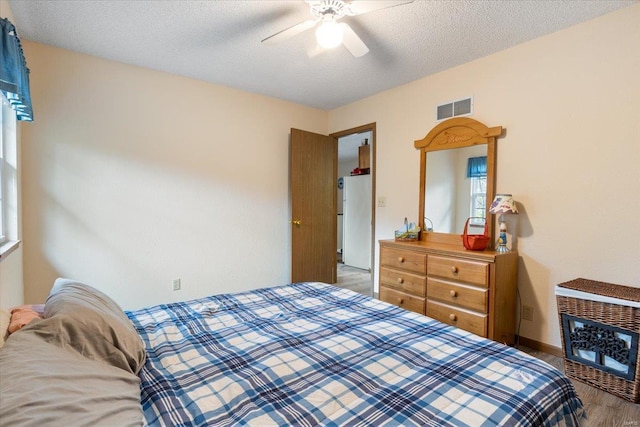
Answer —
313 174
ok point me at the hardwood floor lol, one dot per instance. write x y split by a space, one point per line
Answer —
355 279
603 409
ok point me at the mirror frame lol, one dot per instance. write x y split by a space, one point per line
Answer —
457 133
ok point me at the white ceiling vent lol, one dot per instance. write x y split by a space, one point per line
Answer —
461 107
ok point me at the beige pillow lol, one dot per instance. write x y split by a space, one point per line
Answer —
5 318
94 325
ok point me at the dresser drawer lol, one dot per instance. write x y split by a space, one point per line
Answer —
471 297
475 272
401 280
464 319
405 260
401 299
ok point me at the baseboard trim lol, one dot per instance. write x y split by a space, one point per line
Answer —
540 346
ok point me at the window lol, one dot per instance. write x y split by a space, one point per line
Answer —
478 205
8 173
477 174
16 105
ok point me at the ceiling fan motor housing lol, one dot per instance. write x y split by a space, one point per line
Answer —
332 9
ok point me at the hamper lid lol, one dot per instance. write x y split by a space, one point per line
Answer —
600 291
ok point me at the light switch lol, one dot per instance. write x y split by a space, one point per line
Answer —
382 201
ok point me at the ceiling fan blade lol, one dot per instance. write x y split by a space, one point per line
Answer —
358 7
353 43
290 32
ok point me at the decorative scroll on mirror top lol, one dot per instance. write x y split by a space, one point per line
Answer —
447 194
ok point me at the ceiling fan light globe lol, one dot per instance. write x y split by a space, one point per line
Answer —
329 34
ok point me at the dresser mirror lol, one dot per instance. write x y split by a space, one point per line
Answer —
447 198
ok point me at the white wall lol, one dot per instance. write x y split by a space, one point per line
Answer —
570 104
133 178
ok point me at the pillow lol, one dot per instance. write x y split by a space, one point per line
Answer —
38 308
21 316
90 323
42 384
5 318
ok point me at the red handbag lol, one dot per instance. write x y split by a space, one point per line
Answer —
475 242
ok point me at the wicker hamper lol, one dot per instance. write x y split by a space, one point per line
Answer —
600 325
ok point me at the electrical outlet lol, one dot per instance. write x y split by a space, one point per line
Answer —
177 285
382 201
527 312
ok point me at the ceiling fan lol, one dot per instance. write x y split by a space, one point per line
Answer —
332 33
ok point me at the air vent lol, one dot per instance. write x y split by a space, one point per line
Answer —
461 107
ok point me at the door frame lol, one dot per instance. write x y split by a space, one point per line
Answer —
360 129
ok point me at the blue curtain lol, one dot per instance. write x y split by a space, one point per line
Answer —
14 74
477 167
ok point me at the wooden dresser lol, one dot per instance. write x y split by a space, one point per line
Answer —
473 290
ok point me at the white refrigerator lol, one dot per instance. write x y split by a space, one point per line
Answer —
356 228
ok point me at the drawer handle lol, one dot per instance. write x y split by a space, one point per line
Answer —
400 259
454 269
400 280
452 317
400 301
453 293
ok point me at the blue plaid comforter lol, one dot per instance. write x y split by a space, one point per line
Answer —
312 354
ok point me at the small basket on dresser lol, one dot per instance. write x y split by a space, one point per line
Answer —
600 325
407 236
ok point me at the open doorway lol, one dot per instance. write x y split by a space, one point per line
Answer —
355 211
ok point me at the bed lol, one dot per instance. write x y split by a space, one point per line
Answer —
300 354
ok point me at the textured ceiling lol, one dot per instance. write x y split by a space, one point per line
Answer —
219 41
